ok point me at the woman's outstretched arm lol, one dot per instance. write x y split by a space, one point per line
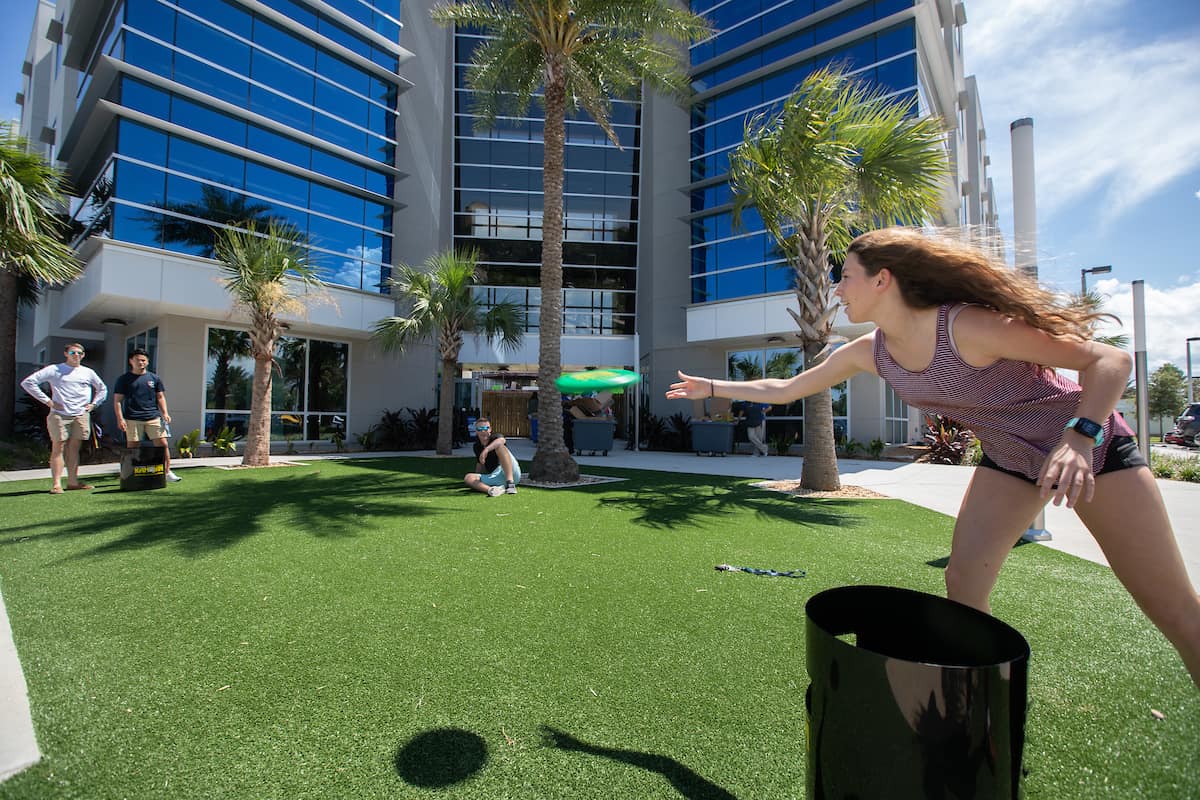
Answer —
845 362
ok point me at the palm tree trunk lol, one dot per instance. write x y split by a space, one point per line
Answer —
8 352
551 461
446 406
258 433
820 468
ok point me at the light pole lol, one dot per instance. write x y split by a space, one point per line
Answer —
1191 398
1083 273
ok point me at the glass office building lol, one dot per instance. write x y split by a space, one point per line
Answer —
498 208
214 113
176 119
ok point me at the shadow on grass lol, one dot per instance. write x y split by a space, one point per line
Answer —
440 758
667 505
208 518
944 561
686 781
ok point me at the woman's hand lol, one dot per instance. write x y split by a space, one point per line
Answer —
690 388
1067 472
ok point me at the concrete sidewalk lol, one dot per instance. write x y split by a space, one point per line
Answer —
932 486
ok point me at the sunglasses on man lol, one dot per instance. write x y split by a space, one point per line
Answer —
74 352
483 427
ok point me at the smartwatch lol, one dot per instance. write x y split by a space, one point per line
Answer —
1090 429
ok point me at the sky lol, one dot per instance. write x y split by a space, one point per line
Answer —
1113 88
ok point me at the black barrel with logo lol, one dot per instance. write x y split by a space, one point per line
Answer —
143 467
912 696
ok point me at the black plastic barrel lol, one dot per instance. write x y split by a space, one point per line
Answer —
912 696
143 467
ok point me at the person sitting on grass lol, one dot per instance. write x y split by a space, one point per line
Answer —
499 473
959 333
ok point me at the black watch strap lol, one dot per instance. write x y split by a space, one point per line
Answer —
1089 428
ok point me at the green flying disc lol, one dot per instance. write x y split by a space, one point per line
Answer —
595 380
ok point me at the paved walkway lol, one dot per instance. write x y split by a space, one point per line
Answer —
933 486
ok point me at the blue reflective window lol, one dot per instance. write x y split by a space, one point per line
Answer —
147 54
151 17
740 283
209 80
141 142
139 184
704 289
884 8
894 41
223 14
339 133
185 192
377 216
378 182
205 162
338 168
338 33
339 204
294 11
280 109
739 252
203 119
283 148
845 22
144 98
283 43
780 278
275 183
342 72
898 74
136 226
339 237
281 76
340 103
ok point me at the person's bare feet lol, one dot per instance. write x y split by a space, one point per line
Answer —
56 489
79 486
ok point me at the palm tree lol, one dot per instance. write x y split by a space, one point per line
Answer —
1092 302
582 53
261 269
837 158
444 306
31 248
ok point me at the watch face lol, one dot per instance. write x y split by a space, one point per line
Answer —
1087 428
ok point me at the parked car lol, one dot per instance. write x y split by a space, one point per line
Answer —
1187 428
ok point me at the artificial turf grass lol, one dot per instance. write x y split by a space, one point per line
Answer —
302 631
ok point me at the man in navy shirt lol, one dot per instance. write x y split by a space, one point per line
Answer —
141 405
756 426
499 471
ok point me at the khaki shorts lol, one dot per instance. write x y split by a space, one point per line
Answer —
153 428
63 428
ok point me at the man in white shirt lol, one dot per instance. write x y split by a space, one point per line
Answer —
76 390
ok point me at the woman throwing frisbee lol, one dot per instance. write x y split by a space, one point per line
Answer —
961 335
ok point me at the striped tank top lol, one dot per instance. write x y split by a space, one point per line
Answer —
1017 409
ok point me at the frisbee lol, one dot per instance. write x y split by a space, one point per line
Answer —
595 380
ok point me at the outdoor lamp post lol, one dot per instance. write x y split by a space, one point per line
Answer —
1191 398
1083 273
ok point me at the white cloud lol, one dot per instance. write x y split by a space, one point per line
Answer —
1102 123
1172 316
1198 195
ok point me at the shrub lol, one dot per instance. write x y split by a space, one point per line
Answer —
851 447
948 441
188 443
679 427
876 448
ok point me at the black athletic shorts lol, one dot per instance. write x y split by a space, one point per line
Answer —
1122 453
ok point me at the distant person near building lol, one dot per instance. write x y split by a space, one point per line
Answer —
75 391
755 415
140 400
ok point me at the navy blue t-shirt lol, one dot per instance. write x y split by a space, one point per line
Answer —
141 395
493 460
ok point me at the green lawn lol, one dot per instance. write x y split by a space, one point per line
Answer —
369 629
